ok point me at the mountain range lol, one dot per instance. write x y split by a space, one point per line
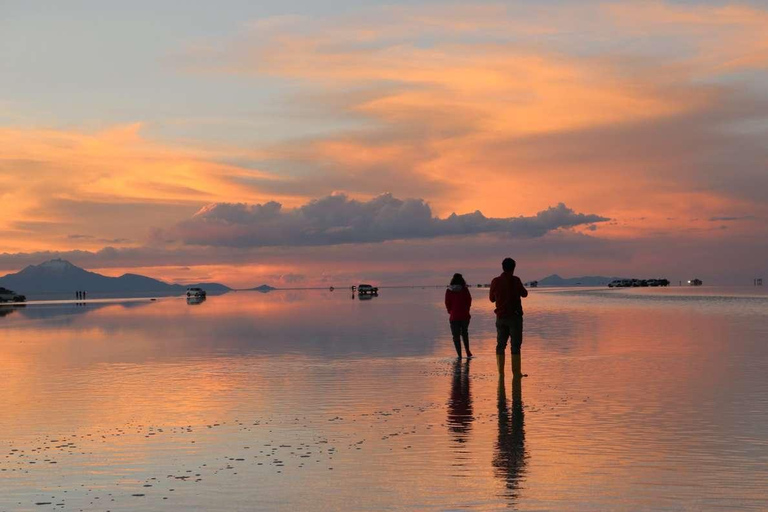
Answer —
59 276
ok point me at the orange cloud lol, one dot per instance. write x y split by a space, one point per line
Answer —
484 105
87 190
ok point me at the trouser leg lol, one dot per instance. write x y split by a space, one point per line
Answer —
516 333
502 335
517 342
456 333
465 336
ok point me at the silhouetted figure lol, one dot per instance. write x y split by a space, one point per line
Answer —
460 404
509 457
458 301
507 291
85 295
77 295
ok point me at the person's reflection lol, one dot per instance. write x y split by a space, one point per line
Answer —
509 455
460 404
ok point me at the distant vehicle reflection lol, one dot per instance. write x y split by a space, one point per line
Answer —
195 300
6 310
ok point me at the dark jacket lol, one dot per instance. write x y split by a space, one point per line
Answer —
458 300
506 291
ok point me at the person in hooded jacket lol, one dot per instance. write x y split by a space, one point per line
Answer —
458 300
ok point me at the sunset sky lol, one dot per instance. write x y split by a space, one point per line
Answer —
306 143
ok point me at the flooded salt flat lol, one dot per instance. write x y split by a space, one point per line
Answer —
640 399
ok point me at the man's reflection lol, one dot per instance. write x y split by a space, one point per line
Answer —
460 404
509 456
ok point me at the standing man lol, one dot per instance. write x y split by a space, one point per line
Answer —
506 292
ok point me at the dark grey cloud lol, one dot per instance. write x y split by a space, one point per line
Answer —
337 219
78 236
731 218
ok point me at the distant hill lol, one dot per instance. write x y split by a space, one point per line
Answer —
62 277
264 288
556 280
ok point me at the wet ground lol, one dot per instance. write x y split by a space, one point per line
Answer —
636 400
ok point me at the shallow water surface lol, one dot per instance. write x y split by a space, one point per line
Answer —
641 399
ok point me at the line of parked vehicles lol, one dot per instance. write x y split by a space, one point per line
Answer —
7 295
634 283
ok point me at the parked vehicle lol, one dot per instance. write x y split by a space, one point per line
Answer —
7 295
366 289
195 292
637 283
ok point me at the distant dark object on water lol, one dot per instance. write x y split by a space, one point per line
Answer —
7 295
195 299
695 282
635 283
532 284
758 281
367 290
195 292
331 288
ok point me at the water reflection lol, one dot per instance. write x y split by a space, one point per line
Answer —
509 459
460 414
6 310
192 300
232 325
366 384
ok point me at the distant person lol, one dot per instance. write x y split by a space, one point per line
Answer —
458 300
506 291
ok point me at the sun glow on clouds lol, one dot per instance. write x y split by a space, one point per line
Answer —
647 113
87 190
483 99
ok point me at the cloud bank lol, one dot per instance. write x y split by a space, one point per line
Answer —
337 219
